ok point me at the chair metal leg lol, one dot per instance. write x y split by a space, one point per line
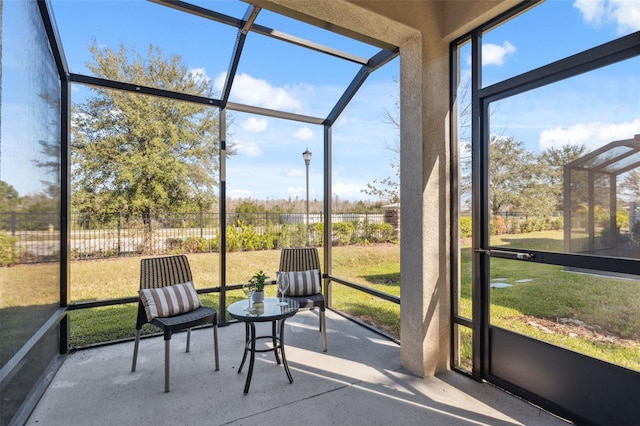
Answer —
167 357
215 345
323 328
135 351
188 339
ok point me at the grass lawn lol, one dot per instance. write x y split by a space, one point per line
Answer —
592 314
377 266
601 314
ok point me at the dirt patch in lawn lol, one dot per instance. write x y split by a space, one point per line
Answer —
575 328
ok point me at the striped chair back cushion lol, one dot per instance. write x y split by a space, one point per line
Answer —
302 283
169 300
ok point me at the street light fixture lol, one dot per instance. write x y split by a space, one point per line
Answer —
306 155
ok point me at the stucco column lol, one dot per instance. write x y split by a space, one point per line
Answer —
425 198
422 30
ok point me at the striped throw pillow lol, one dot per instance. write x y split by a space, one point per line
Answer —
170 300
303 283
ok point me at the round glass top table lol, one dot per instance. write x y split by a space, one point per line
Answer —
273 309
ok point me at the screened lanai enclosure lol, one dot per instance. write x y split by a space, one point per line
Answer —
502 151
601 189
123 80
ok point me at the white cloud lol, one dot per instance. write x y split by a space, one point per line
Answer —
593 11
304 133
343 121
493 54
199 75
593 135
255 125
625 13
295 173
339 169
250 149
296 191
239 193
254 91
348 191
627 16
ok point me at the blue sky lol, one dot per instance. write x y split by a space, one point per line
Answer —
271 74
593 109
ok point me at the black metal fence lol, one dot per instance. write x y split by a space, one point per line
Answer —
35 237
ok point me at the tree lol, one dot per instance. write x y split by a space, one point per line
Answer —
512 175
387 189
139 154
50 148
247 212
553 160
631 185
9 197
463 109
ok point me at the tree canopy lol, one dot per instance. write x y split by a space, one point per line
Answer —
631 184
524 181
553 161
140 154
512 171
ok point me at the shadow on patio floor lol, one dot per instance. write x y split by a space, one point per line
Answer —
358 381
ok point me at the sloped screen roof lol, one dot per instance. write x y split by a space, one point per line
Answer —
614 158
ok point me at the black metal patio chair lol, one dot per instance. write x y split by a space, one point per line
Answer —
169 301
305 281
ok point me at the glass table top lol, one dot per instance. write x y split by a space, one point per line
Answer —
268 310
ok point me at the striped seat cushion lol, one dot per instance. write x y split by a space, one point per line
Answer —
170 300
303 283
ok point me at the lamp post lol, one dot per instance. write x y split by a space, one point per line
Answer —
306 155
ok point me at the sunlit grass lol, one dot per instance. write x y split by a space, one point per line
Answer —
374 266
608 305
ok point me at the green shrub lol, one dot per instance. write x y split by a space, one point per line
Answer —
622 218
532 225
8 250
244 237
498 225
214 244
465 227
601 216
382 233
234 240
317 234
342 232
270 237
249 238
173 245
292 235
195 245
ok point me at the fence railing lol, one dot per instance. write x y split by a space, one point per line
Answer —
35 237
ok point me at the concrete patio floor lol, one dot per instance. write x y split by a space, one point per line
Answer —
359 381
